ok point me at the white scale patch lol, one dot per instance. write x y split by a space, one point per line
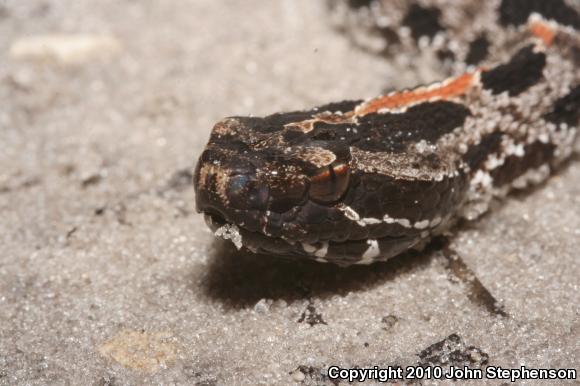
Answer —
482 178
318 252
516 149
422 224
352 215
494 161
372 251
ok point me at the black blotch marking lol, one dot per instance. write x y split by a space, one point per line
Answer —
477 154
452 351
423 21
535 155
393 132
343 106
477 292
516 12
311 317
566 109
523 70
478 50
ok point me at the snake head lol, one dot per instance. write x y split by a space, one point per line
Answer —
321 184
260 177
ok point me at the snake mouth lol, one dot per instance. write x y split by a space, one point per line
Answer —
343 253
255 242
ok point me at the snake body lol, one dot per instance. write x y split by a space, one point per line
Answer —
356 182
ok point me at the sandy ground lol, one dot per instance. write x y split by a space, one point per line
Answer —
109 277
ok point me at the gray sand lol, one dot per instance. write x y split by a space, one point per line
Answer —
109 277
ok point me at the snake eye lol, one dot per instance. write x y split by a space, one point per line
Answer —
330 183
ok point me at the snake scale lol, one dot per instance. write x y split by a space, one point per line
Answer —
360 181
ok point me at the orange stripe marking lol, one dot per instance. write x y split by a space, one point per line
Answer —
449 89
543 31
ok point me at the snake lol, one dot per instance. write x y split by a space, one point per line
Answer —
361 181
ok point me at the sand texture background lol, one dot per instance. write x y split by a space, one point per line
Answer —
109 277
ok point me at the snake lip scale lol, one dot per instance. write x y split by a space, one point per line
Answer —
355 182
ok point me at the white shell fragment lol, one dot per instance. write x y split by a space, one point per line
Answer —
65 49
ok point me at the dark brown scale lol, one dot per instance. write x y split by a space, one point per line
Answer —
342 251
391 132
331 132
285 192
245 192
394 132
411 200
329 219
229 141
524 70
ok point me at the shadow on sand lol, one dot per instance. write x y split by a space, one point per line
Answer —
240 279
